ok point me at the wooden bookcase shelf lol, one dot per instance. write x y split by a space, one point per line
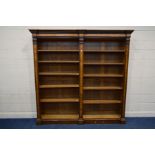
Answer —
59 74
81 75
58 51
61 62
103 63
101 101
103 88
59 117
59 100
105 116
103 75
104 51
60 86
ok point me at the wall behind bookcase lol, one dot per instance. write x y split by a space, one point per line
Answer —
17 91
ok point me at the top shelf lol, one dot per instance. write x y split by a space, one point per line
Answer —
87 33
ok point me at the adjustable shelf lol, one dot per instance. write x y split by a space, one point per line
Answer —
104 51
59 100
59 74
60 86
98 63
103 75
62 62
102 101
103 88
81 75
64 51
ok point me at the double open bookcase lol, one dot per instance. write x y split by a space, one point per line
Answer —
81 75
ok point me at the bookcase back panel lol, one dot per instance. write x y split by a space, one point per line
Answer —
103 69
58 44
60 93
103 45
100 81
57 80
58 68
99 109
58 56
111 57
102 94
60 108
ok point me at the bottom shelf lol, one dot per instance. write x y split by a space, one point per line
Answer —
76 116
61 117
74 119
103 116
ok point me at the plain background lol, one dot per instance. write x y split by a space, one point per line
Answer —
17 88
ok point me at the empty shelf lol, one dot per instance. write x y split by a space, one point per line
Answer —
58 61
104 50
59 86
63 116
103 88
101 101
103 116
103 75
63 74
103 63
60 100
57 50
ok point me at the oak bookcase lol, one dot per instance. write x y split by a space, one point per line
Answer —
81 75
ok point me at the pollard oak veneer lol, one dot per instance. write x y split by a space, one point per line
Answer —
81 75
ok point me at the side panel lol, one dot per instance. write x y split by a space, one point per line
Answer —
35 52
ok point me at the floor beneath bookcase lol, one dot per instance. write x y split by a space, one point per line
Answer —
132 123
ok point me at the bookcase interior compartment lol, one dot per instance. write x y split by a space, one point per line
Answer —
101 111
103 69
59 68
103 58
100 45
58 80
97 82
81 75
60 110
106 94
59 93
58 44
60 56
